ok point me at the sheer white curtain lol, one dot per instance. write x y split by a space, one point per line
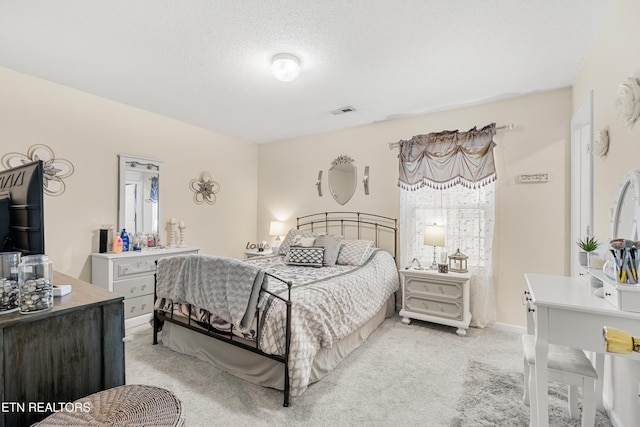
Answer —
468 215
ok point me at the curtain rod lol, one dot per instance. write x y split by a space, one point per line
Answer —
510 126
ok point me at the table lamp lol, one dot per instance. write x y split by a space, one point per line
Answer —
434 236
276 228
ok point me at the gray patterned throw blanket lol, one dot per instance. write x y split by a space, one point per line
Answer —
226 287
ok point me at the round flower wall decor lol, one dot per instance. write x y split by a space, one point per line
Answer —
204 189
55 169
628 102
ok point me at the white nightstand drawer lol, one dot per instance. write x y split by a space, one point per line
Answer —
432 307
136 287
418 286
139 305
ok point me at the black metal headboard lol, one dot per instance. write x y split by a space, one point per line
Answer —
355 225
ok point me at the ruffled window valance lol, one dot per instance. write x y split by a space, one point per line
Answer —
443 159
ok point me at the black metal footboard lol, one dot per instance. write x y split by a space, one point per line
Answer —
160 316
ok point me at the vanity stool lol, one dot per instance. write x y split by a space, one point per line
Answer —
568 366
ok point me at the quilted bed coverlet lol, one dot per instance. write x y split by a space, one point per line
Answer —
328 304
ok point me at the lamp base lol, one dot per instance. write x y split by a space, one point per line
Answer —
434 264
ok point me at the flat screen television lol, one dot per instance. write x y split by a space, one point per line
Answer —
22 209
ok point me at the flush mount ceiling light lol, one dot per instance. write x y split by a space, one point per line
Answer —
285 67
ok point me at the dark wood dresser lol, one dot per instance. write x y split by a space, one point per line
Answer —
56 356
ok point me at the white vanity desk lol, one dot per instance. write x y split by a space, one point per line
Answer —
564 310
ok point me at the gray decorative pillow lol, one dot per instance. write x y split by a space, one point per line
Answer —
311 256
331 244
292 236
354 252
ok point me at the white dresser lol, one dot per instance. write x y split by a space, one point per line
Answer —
131 274
436 297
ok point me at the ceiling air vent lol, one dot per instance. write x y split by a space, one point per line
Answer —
343 110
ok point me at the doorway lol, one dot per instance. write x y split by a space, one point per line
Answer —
581 179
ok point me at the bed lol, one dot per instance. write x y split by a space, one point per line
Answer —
283 320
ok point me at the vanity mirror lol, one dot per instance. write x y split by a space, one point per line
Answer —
139 201
626 210
342 179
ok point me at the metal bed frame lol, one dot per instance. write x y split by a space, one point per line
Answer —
365 224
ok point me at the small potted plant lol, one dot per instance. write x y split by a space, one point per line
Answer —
587 245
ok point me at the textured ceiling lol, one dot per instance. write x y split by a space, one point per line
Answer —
206 62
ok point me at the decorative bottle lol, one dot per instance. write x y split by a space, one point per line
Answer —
125 240
117 245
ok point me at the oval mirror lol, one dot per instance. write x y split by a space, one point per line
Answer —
626 211
342 179
139 191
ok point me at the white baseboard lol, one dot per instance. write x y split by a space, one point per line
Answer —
132 322
506 327
614 418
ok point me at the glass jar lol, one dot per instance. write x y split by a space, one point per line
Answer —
35 277
9 289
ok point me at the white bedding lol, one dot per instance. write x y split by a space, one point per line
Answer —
328 303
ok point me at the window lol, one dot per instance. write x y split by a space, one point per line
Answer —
468 215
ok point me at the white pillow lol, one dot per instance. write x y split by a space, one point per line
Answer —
307 241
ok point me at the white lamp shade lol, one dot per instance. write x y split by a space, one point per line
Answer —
276 228
434 235
285 67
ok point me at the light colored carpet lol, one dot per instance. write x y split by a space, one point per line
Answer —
420 374
488 400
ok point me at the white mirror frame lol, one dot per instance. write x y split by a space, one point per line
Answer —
631 183
125 163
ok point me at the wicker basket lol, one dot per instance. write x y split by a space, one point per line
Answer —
127 405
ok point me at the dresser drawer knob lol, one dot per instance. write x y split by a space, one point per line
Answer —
133 308
441 309
531 310
441 290
132 290
143 287
607 294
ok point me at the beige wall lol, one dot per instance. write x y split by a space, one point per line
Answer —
90 132
612 59
531 226
609 63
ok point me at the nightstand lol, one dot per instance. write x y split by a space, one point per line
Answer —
436 297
